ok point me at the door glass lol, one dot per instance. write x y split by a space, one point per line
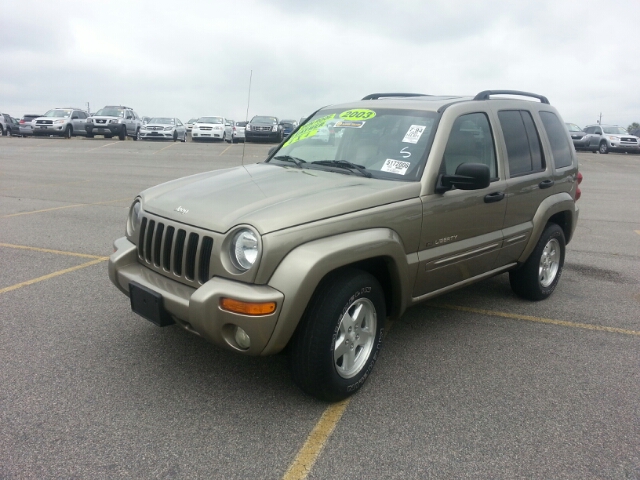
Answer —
470 141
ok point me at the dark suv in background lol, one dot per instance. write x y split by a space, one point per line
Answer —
114 120
264 128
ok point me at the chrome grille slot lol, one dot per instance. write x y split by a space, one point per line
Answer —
179 252
143 229
205 259
168 245
148 241
190 264
157 243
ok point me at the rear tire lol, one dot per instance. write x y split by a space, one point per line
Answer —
340 335
540 274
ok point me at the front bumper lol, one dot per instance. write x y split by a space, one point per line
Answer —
200 133
101 128
198 309
258 135
621 147
57 129
160 134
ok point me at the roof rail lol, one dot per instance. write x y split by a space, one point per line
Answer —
376 96
487 94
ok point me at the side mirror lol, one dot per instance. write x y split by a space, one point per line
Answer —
468 176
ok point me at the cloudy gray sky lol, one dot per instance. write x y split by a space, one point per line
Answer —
194 58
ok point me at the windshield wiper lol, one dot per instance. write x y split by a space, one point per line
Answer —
289 158
344 164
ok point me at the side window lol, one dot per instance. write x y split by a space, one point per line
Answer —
598 131
558 139
522 141
470 141
588 130
129 116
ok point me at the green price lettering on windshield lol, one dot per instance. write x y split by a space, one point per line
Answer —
309 130
358 114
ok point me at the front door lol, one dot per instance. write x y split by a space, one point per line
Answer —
462 229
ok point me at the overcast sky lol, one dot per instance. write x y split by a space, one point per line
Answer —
189 59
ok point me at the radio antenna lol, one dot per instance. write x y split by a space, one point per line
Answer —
246 118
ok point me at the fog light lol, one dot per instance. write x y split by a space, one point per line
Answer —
242 339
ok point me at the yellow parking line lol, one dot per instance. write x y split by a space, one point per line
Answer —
164 148
52 275
316 441
529 318
102 146
224 150
47 185
48 250
65 206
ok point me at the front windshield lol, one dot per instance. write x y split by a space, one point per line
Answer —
215 120
272 120
58 113
388 143
163 121
573 127
110 112
192 120
615 130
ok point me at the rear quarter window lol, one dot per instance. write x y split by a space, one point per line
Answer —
558 139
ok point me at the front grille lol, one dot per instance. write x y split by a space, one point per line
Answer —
154 128
205 128
101 121
261 129
44 122
175 250
628 139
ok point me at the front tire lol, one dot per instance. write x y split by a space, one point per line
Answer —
540 274
604 149
340 335
123 134
175 136
68 132
136 137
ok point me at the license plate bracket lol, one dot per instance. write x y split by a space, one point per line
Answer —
148 304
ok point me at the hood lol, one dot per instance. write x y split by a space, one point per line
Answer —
269 197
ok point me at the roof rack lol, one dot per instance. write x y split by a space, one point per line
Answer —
486 95
376 96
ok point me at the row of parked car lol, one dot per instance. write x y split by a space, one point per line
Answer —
122 122
604 138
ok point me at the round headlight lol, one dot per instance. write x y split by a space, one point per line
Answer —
245 249
135 218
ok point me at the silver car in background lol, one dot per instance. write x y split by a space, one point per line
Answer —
237 135
26 124
164 128
63 122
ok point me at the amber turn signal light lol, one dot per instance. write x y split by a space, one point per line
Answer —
247 308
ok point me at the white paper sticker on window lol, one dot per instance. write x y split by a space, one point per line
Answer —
413 134
395 166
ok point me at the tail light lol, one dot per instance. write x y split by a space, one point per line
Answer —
234 129
578 192
22 121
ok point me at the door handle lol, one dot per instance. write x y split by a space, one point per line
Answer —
493 197
546 184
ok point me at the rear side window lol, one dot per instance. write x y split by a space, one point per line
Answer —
523 142
558 139
470 141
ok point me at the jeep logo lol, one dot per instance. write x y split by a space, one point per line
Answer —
181 210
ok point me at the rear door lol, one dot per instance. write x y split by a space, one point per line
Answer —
529 179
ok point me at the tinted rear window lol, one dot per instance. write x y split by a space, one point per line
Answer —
557 138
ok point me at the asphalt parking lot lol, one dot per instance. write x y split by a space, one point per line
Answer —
476 384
